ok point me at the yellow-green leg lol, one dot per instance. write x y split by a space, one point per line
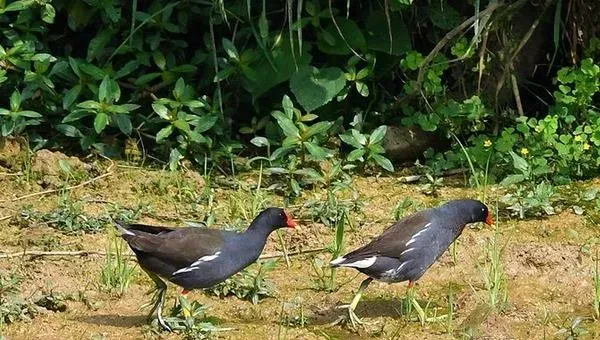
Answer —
158 299
352 306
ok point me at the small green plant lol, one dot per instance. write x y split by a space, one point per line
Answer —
301 138
535 201
248 285
325 274
573 330
116 273
14 120
190 320
368 149
293 314
403 206
52 301
494 277
12 307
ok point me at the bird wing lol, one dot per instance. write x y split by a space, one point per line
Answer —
180 247
412 232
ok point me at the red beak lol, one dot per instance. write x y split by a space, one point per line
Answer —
290 221
489 220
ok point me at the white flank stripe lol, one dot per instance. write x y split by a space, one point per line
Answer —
406 251
206 259
337 261
123 230
364 263
198 262
415 236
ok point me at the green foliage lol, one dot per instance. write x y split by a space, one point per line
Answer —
368 149
12 307
190 320
115 274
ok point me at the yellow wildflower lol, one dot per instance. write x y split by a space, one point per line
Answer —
586 146
524 151
487 143
577 138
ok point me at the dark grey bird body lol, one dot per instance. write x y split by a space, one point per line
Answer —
410 246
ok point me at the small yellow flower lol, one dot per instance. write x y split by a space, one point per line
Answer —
524 151
577 138
487 143
586 146
538 129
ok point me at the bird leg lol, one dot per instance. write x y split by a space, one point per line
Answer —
158 299
352 306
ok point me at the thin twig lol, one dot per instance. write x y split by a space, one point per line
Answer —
450 35
515 88
3 218
36 253
57 190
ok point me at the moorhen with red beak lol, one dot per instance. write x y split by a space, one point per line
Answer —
198 257
410 246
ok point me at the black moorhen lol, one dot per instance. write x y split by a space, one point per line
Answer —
198 257
410 246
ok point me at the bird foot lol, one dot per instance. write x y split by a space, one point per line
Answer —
351 316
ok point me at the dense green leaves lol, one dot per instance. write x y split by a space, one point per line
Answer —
314 87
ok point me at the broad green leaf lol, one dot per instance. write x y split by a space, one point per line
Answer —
331 42
69 130
15 101
356 154
159 59
18 5
260 141
131 66
288 106
179 88
29 114
230 49
76 115
359 137
314 87
146 78
182 125
71 96
174 159
98 43
377 135
161 110
362 88
100 122
164 133
349 139
309 117
48 13
206 123
317 129
519 163
319 153
90 105
383 162
378 34
91 70
124 123
286 124
512 179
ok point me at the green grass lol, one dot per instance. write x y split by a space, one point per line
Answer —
117 271
494 277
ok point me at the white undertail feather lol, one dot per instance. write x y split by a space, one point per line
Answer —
337 261
364 263
197 263
123 230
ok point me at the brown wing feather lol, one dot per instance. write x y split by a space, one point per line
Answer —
179 246
392 242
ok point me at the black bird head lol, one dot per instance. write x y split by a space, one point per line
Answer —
273 218
472 210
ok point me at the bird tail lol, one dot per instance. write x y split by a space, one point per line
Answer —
337 262
121 226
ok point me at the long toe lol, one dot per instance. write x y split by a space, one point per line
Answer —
353 318
161 321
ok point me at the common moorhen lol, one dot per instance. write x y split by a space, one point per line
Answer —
198 257
410 246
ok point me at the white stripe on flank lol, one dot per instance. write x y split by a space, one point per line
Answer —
415 236
197 263
406 251
123 230
364 263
